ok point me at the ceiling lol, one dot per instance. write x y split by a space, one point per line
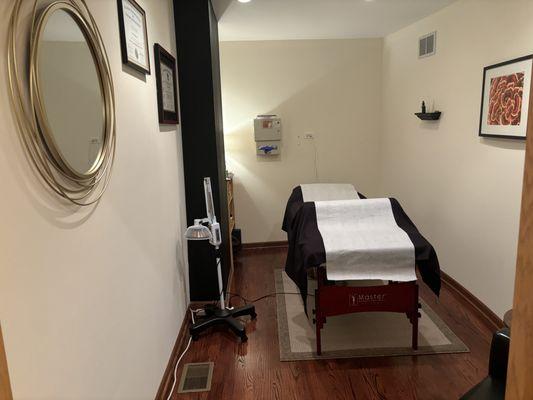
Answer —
318 19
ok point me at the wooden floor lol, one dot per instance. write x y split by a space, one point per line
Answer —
253 370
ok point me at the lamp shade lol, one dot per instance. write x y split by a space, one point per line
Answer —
197 232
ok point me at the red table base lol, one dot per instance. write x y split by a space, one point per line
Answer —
332 300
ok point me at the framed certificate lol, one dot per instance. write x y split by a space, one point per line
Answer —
133 35
167 97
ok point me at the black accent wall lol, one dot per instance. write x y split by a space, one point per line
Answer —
202 136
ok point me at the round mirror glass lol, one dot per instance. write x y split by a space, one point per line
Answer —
71 94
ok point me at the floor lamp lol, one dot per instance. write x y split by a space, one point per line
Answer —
209 229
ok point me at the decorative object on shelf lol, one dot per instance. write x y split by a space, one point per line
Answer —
61 89
425 116
167 98
505 99
133 35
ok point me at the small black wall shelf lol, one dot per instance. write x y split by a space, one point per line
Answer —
432 116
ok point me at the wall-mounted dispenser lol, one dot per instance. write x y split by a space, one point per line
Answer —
267 132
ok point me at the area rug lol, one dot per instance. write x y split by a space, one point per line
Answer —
376 334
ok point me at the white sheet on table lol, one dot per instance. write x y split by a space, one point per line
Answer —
363 241
328 191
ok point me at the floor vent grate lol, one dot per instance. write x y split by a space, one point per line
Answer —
196 377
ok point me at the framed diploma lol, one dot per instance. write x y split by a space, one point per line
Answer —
133 35
167 97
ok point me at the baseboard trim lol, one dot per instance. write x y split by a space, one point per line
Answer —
482 310
5 386
262 245
179 346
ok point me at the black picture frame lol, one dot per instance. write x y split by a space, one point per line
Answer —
163 57
524 104
126 59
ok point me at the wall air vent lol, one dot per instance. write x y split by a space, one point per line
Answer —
196 377
427 45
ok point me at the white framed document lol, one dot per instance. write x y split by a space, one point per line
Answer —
167 98
133 35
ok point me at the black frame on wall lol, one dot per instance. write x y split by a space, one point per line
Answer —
202 137
164 57
124 40
529 57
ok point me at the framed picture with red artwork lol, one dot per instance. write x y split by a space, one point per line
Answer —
505 99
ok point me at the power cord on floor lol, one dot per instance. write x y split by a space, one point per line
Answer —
247 301
233 295
181 356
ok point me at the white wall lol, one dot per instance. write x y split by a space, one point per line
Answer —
331 88
463 192
91 300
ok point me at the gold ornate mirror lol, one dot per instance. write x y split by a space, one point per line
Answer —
65 105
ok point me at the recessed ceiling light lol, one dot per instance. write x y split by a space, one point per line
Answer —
244 1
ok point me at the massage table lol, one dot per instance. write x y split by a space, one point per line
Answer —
334 295
310 193
316 192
